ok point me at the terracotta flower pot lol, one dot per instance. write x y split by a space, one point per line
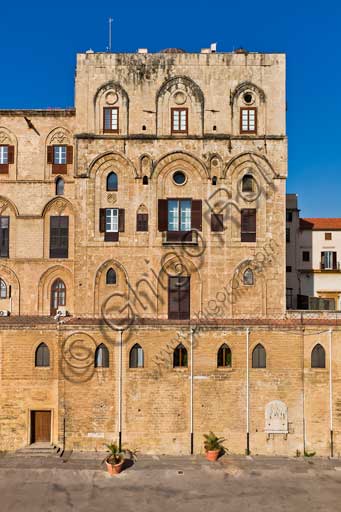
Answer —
114 469
212 455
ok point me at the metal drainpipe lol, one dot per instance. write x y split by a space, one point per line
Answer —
120 392
191 392
247 393
331 395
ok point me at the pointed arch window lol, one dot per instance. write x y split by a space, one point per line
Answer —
224 358
259 357
42 356
101 356
58 295
318 357
3 289
111 276
59 186
112 182
136 357
248 279
180 358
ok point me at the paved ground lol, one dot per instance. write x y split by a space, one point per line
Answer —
170 484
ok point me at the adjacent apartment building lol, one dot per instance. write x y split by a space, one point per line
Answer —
142 265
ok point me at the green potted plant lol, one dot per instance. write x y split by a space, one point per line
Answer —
213 446
115 460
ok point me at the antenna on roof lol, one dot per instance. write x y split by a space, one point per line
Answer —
110 23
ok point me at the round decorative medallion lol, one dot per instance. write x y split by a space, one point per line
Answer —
111 98
180 98
215 162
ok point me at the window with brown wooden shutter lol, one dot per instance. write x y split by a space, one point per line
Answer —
4 158
110 120
179 120
217 222
111 225
248 225
162 214
322 260
179 298
334 261
59 236
196 214
248 120
69 155
102 220
142 222
121 220
59 160
4 237
11 154
50 154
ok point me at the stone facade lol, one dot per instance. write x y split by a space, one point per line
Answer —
157 407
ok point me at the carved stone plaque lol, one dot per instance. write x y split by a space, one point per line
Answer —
276 418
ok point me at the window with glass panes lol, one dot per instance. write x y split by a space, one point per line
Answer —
179 120
179 215
3 154
59 155
248 120
110 119
4 237
111 220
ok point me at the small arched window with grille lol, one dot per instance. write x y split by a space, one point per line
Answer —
180 356
318 357
136 357
224 358
112 182
59 186
248 277
111 276
101 356
42 356
3 289
259 357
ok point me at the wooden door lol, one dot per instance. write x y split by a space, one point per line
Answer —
40 426
179 298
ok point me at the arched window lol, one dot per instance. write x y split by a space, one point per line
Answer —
112 181
101 356
111 276
180 356
259 357
136 357
42 356
145 180
224 356
59 187
58 295
214 180
3 289
248 277
318 357
248 183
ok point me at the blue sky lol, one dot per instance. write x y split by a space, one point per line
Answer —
39 40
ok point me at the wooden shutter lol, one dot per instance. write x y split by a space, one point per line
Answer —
50 154
248 225
179 298
142 222
334 261
11 154
69 154
217 222
322 260
162 214
4 237
121 220
184 298
59 236
111 236
102 220
196 220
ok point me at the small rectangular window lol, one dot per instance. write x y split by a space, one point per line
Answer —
4 237
327 236
305 256
248 225
142 222
110 119
59 236
179 121
248 120
289 216
287 235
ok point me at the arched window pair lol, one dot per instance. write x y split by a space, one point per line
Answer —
3 289
42 356
318 357
112 182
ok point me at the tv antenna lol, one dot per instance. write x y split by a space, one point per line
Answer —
110 24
